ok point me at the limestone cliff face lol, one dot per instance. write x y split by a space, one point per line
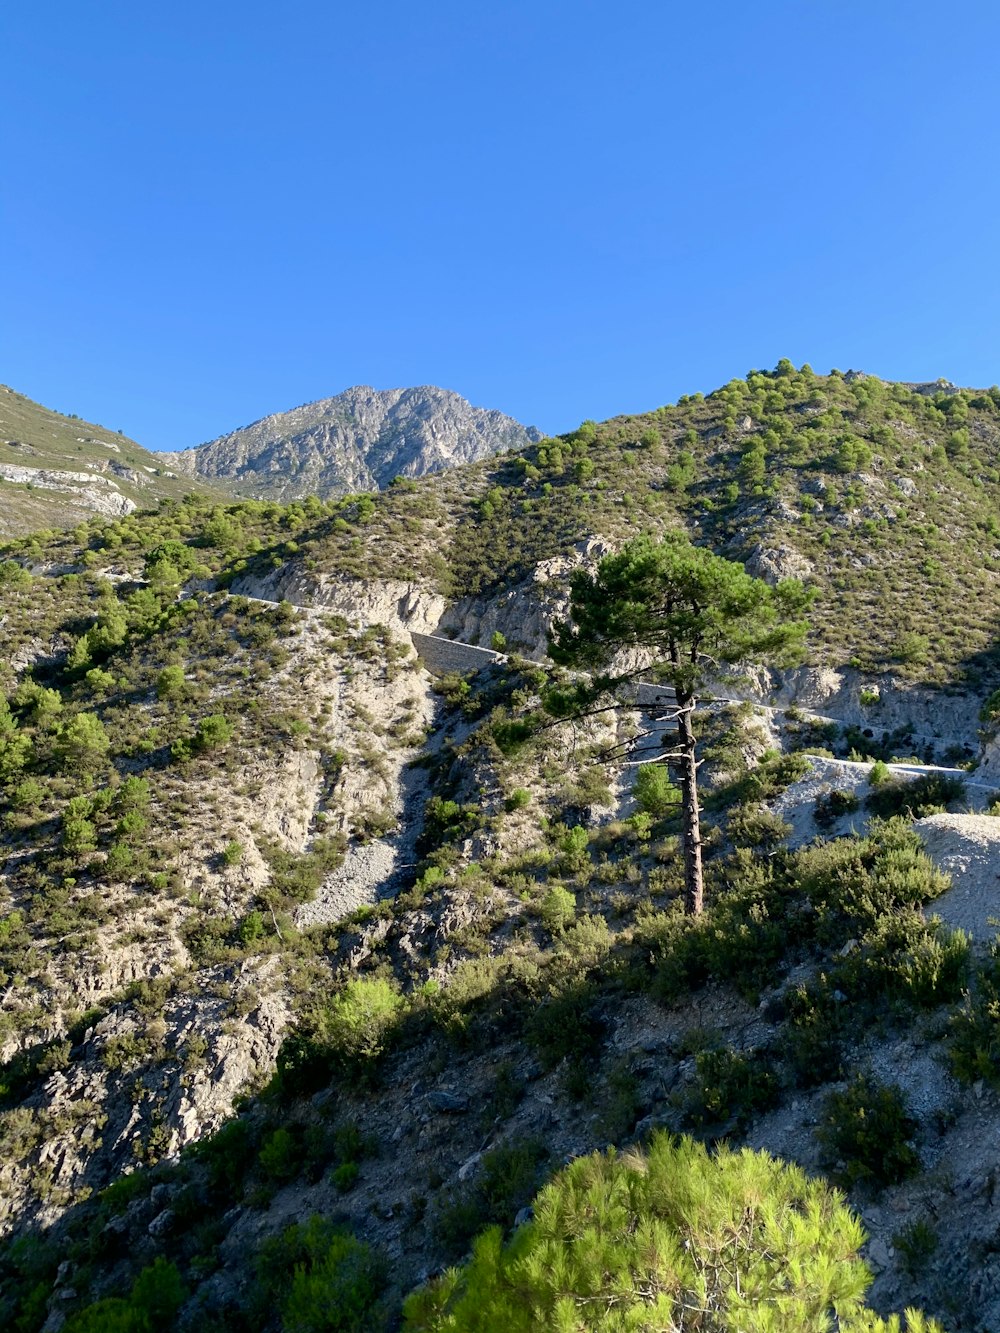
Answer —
358 441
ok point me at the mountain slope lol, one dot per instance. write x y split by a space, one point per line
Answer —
357 441
57 470
240 839
884 496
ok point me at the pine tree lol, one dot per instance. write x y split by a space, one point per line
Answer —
671 1238
693 612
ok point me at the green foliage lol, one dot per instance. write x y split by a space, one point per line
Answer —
322 1280
655 793
832 805
866 1134
974 1031
152 1306
360 1020
212 733
738 1240
13 576
171 683
566 1026
914 1245
879 774
83 743
517 800
344 1177
558 909
232 853
686 603
446 821
280 1155
506 1179
730 1088
923 796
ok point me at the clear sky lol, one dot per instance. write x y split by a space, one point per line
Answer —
561 208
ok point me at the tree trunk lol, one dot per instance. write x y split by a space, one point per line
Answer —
690 822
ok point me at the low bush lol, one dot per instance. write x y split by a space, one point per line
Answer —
867 1134
507 1178
321 1279
730 1088
557 909
974 1031
923 796
151 1307
359 1022
832 805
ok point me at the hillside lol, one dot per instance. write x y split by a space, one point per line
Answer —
324 943
56 471
357 441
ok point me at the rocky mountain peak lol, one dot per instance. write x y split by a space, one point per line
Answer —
358 440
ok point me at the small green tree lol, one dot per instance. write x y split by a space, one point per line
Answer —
213 732
671 1238
691 611
83 742
170 683
654 792
361 1018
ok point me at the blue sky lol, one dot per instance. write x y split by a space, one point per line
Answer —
567 209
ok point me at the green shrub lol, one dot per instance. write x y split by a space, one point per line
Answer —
322 1279
752 825
974 1031
232 853
914 1245
345 1176
641 1240
923 796
558 909
730 1088
27 795
227 1156
212 733
907 960
156 1297
506 1179
832 805
359 1022
13 575
852 883
279 1155
866 1134
566 1025
171 683
83 743
879 773
518 799
655 793
812 1035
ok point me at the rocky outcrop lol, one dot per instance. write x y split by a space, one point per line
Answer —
777 562
97 493
871 703
357 441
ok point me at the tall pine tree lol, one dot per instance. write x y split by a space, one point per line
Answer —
691 612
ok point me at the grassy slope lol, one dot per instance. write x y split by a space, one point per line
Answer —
33 436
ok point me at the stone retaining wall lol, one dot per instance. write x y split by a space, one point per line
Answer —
440 654
449 655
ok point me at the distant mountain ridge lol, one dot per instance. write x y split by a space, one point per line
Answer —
358 440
